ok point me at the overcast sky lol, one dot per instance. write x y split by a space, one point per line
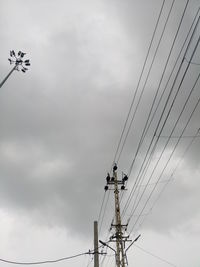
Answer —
61 122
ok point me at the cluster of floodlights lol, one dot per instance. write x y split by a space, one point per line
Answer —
111 180
17 59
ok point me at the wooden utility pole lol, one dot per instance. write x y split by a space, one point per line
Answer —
96 250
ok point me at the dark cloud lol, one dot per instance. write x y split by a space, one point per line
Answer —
60 123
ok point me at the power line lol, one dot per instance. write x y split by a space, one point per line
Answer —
191 62
43 262
146 127
159 101
48 261
158 124
161 131
157 257
172 133
190 117
104 195
104 211
89 262
137 87
101 208
169 94
145 130
176 136
171 177
147 77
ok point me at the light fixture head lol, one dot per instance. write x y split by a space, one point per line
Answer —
18 61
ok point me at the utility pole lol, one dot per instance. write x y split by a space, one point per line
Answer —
119 238
96 250
19 64
118 225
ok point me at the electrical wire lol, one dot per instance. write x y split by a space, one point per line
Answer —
146 77
48 261
42 262
147 55
145 130
137 87
146 127
103 258
176 136
153 255
123 133
89 262
193 63
104 211
190 117
177 59
171 176
104 195
146 80
109 263
170 135
165 87
158 124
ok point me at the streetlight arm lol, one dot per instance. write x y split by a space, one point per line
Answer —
133 242
19 64
106 245
6 78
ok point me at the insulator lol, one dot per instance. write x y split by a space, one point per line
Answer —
122 187
108 178
113 179
115 167
106 188
125 178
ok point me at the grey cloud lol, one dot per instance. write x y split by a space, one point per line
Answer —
70 107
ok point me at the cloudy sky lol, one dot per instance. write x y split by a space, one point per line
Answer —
61 122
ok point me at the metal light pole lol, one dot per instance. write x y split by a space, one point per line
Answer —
19 64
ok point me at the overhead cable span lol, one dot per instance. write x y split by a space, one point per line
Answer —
45 261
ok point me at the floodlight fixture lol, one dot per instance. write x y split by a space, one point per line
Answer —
19 64
18 61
